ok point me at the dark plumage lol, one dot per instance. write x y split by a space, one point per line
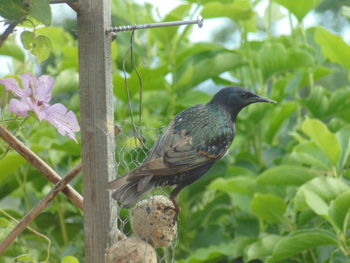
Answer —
194 140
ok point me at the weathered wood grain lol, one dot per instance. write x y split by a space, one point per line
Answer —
96 99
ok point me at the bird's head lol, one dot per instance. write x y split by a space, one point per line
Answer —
234 99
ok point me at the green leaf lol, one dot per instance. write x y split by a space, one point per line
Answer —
315 202
66 81
198 51
237 171
299 241
299 59
299 7
10 164
319 133
309 153
317 194
60 38
339 209
339 100
333 47
13 10
152 79
42 48
263 247
204 65
241 202
250 25
343 136
187 76
25 257
272 13
193 97
318 101
208 1
167 34
233 249
27 38
41 11
4 222
238 10
280 113
272 58
345 11
268 207
69 259
70 58
286 175
238 184
178 13
9 48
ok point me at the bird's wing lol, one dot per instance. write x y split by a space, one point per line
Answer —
177 152
162 144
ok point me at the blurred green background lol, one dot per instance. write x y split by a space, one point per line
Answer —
282 192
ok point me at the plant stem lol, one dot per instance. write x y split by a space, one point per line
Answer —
312 253
63 226
35 232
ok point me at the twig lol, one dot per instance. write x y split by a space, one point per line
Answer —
36 210
7 32
38 163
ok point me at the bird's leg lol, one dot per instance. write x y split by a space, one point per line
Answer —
176 206
173 195
176 209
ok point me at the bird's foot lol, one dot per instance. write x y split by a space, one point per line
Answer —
176 209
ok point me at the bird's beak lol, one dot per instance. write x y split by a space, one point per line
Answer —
258 98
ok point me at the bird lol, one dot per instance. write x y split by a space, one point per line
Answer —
195 139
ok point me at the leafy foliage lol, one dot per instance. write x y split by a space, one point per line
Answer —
281 194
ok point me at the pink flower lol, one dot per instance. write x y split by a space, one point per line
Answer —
65 121
34 95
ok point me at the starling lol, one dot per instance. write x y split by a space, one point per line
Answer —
195 139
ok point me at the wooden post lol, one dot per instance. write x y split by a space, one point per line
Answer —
97 122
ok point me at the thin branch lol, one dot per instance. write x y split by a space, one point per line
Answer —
38 163
7 32
36 210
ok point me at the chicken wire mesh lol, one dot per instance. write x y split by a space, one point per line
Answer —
147 231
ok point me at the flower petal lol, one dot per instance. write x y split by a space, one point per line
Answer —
26 78
19 107
65 122
40 111
43 89
11 84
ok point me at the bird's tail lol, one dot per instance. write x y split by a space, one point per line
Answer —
126 192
